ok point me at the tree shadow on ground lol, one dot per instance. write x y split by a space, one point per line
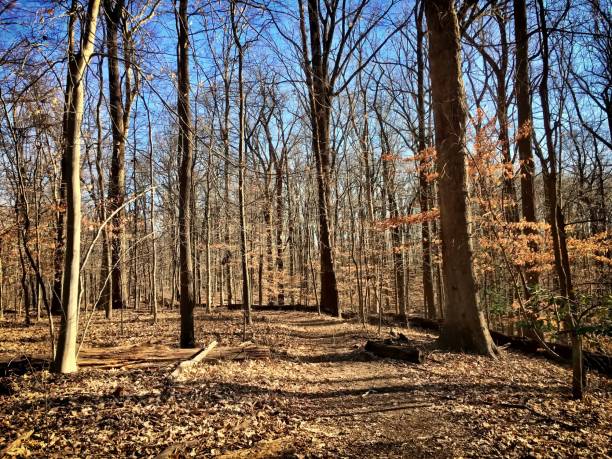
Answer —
305 335
355 356
23 365
316 322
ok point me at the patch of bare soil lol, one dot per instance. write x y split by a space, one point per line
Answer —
318 394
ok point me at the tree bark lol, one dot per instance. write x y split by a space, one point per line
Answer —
116 186
2 284
65 358
319 90
105 264
246 285
501 70
464 328
523 103
185 177
388 167
424 186
556 219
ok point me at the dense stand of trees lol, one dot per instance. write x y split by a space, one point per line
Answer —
436 158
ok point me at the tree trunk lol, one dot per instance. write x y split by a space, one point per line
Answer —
105 265
523 103
320 117
556 219
464 328
58 251
65 358
509 191
2 285
153 293
116 186
226 259
424 186
209 293
246 287
396 232
278 188
185 177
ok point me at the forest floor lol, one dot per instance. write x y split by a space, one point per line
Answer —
318 395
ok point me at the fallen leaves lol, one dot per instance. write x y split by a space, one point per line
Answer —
318 394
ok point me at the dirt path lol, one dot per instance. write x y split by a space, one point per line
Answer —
351 403
319 395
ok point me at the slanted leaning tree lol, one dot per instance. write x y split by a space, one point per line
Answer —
464 327
65 357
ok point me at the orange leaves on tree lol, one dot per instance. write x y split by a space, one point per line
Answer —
411 219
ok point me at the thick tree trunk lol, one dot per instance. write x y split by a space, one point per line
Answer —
25 287
464 328
65 358
329 289
185 177
320 111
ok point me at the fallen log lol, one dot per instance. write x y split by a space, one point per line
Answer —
198 357
592 360
520 343
396 319
425 324
394 351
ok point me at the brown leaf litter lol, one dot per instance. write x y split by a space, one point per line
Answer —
315 393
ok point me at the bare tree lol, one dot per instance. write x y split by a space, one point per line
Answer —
65 358
185 151
464 327
424 185
246 288
555 215
523 103
327 45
